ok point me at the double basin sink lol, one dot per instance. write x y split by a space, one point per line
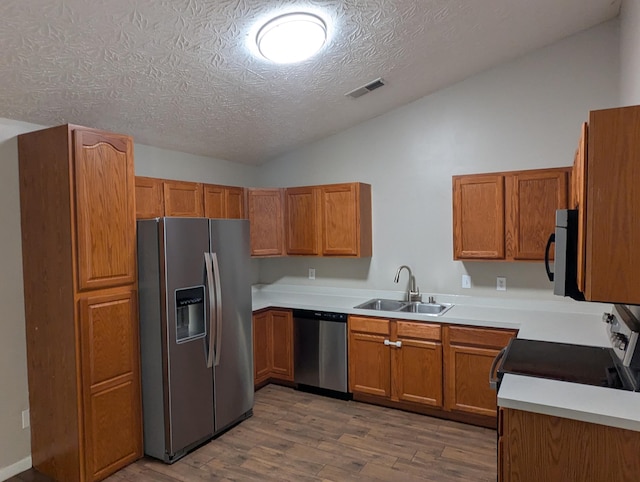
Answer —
379 304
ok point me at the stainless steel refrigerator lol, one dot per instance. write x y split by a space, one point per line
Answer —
195 331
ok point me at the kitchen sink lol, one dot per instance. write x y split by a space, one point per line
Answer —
379 304
426 308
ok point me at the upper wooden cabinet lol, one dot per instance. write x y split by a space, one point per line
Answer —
79 263
468 354
346 219
266 220
478 217
302 220
507 216
161 197
223 202
183 199
149 197
611 228
105 209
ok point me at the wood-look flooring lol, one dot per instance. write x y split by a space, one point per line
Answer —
296 436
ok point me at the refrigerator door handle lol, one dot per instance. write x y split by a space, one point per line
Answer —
209 269
216 274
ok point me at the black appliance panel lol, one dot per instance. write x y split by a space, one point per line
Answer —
588 365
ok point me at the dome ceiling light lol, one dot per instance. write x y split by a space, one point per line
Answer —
292 37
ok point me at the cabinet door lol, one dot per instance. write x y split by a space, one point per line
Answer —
105 209
579 178
149 198
369 358
346 219
282 340
469 353
533 198
183 199
214 202
539 447
302 220
234 202
478 217
112 406
612 258
266 221
417 364
262 344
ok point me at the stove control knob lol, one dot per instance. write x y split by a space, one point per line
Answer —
608 317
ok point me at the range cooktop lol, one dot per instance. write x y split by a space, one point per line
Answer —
589 365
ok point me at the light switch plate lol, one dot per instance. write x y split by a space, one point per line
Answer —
25 418
466 281
312 273
501 283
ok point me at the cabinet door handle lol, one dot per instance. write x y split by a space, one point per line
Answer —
395 344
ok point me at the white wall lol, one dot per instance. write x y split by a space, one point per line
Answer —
15 442
521 115
630 52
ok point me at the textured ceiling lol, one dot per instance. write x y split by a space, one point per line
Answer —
181 74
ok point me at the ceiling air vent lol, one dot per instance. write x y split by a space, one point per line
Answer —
365 89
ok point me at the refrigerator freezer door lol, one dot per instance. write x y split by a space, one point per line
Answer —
189 381
233 375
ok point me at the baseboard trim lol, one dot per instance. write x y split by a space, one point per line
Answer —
15 469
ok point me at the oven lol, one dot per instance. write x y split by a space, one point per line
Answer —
616 366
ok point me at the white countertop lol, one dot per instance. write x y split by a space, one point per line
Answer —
559 321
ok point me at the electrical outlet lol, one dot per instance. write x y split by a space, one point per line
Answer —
501 283
466 281
25 418
312 273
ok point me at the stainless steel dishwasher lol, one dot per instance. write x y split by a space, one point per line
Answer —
320 350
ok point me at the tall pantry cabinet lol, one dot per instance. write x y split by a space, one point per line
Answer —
79 262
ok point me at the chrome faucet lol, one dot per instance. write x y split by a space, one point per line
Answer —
413 293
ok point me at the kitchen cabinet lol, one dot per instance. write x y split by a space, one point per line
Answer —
273 346
507 216
579 202
223 202
468 354
162 197
397 360
79 262
417 363
478 217
183 199
302 220
608 226
149 198
369 357
346 219
265 209
534 447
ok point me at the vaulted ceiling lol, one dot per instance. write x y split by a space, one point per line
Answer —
184 74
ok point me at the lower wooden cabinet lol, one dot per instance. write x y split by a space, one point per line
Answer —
417 364
397 360
533 447
111 385
468 354
369 357
273 346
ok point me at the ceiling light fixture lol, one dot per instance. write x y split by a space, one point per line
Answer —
292 37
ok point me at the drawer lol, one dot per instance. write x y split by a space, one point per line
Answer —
487 337
423 331
369 325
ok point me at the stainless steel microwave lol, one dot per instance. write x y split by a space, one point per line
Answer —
565 272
